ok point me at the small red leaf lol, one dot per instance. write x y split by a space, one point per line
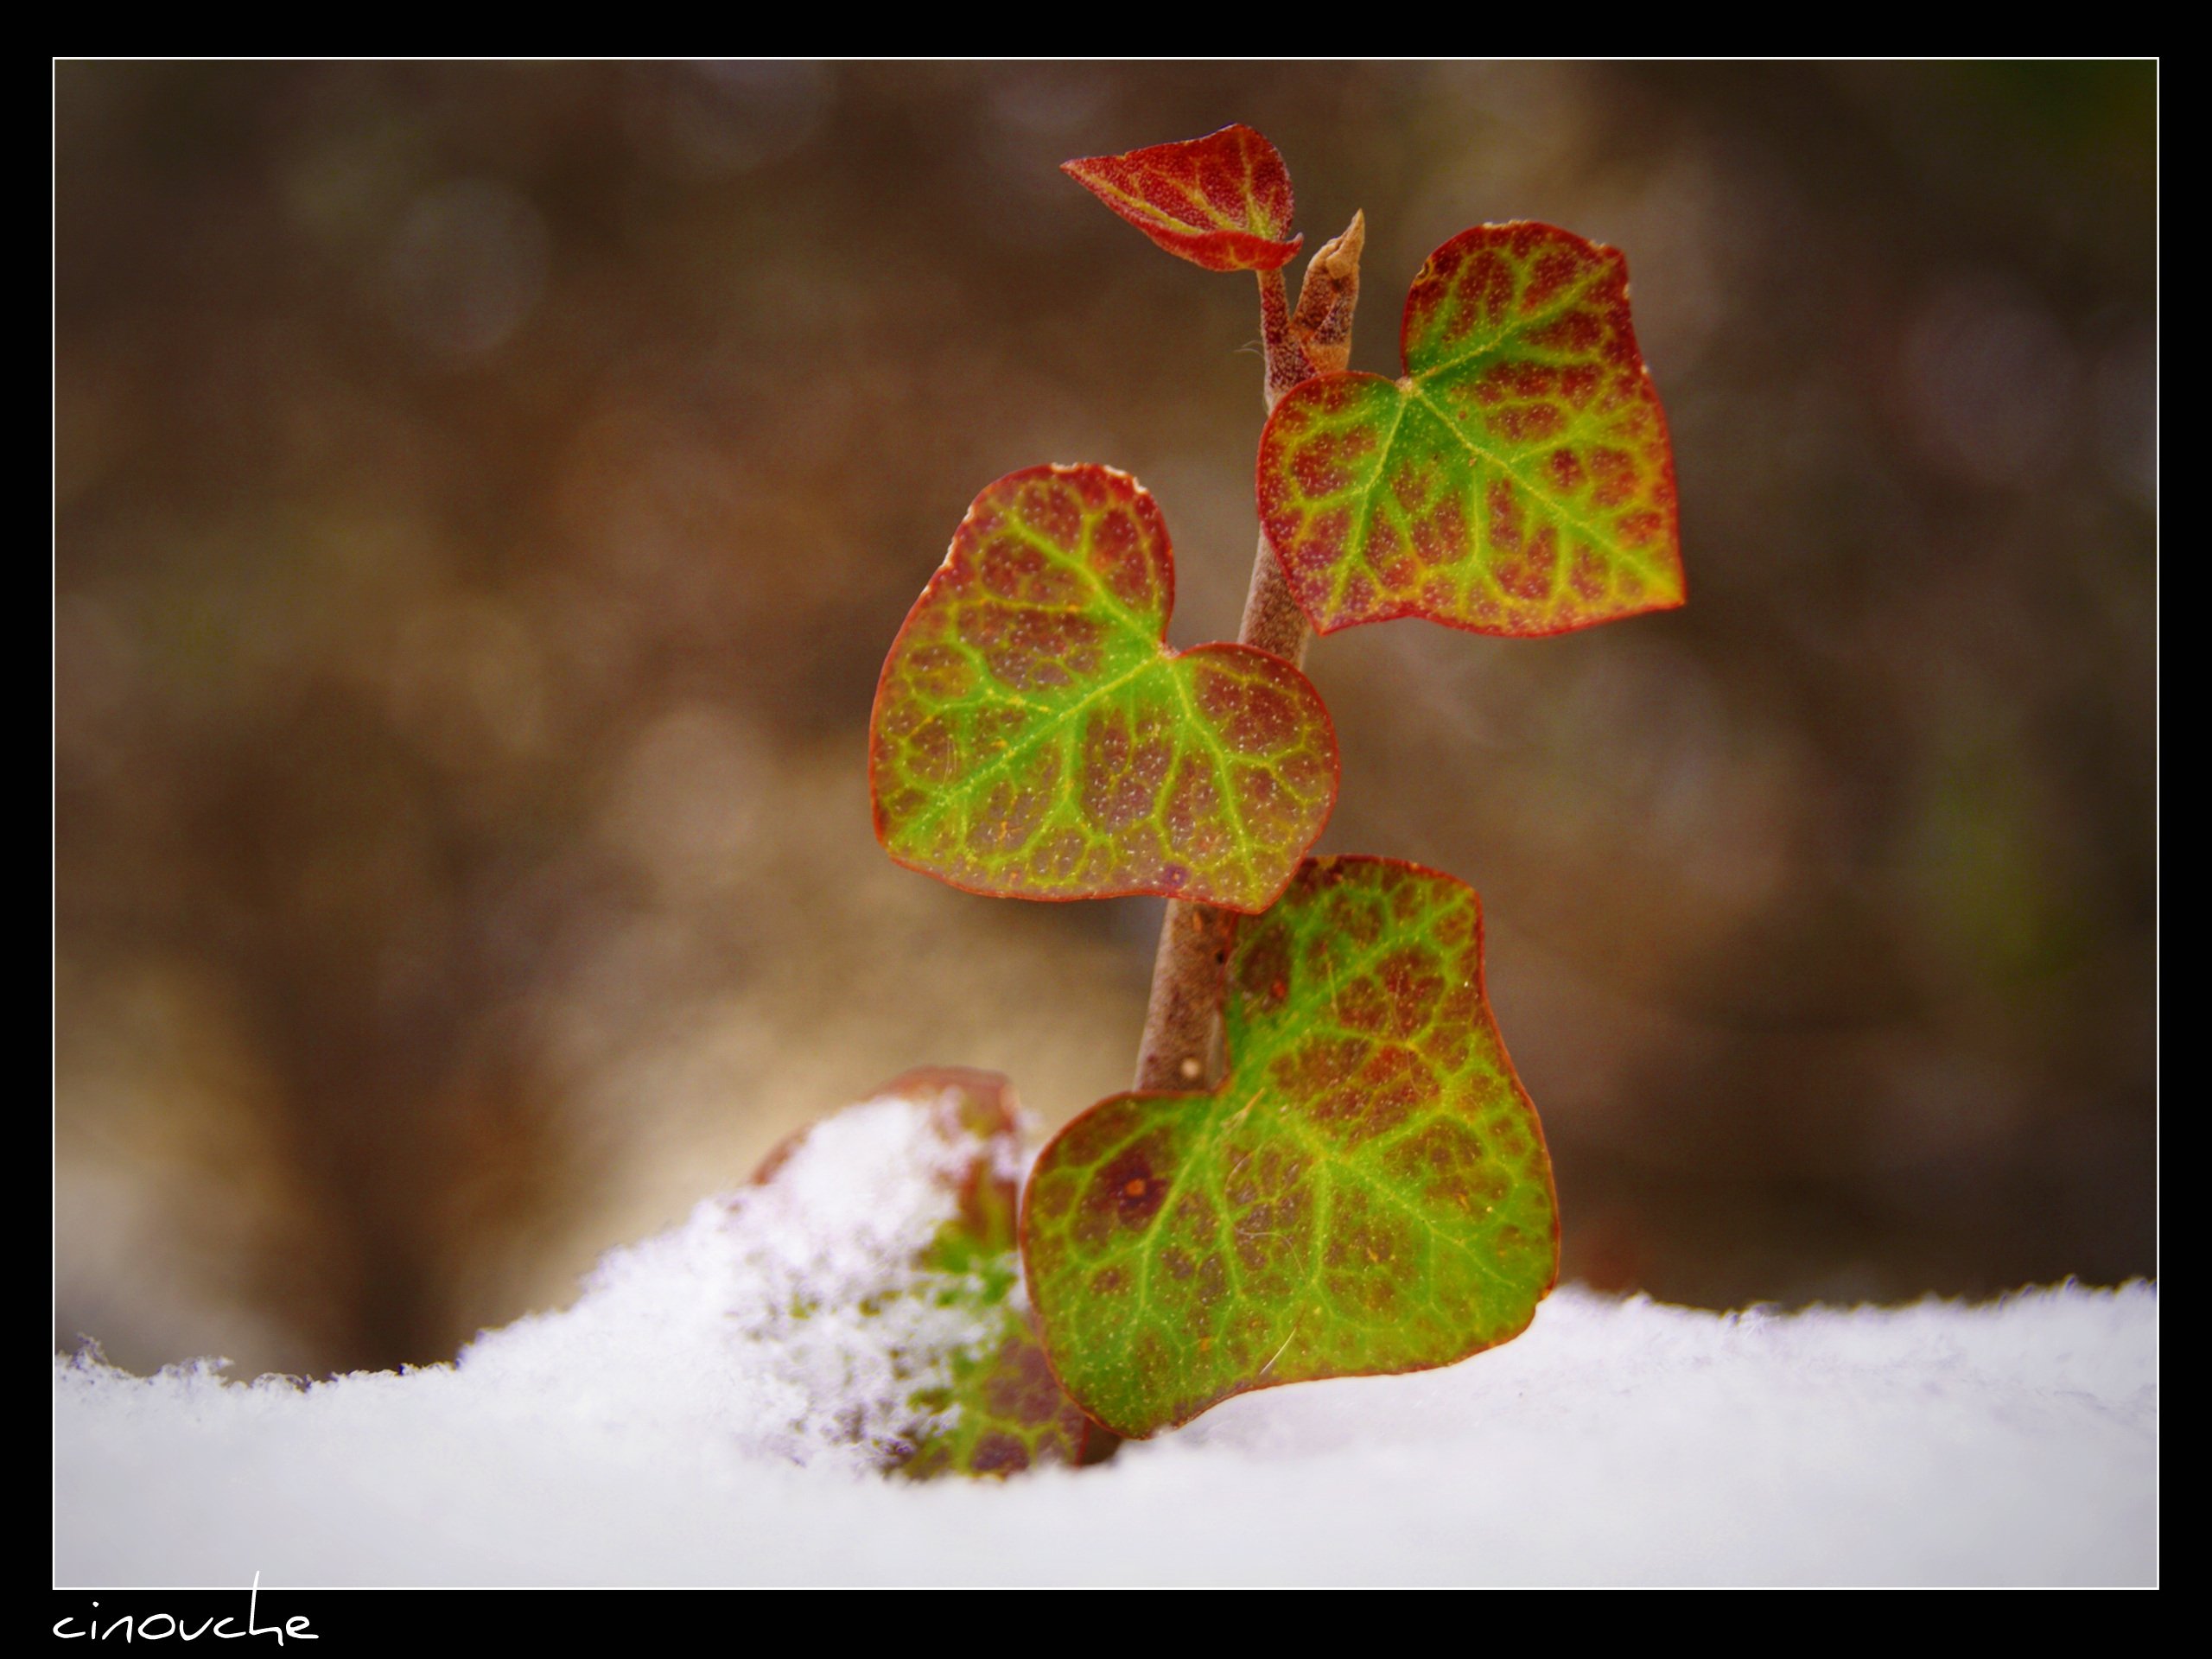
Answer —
1221 201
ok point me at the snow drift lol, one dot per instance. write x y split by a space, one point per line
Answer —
680 1425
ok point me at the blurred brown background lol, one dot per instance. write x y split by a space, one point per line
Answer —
485 495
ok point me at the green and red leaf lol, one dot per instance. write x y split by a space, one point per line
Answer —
1003 1411
980 1399
1221 201
1517 481
1033 738
1367 1190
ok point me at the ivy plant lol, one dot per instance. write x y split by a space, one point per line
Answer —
1327 1166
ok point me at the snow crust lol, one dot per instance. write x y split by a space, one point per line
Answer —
701 1417
808 1320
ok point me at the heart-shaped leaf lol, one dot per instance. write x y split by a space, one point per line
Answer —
1034 739
1221 201
1367 1190
1517 481
939 1370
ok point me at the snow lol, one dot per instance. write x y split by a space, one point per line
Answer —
793 1311
701 1416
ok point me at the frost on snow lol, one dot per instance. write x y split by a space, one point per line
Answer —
709 1411
802 1311
836 1320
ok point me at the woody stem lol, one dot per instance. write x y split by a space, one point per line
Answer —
1189 982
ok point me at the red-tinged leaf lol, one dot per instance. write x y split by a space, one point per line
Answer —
1032 738
1367 1190
1003 1412
1517 481
968 1389
1221 201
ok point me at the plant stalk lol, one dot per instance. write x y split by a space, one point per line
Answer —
1182 1026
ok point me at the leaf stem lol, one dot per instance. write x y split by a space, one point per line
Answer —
1183 1021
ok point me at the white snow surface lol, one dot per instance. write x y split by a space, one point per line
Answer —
682 1425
